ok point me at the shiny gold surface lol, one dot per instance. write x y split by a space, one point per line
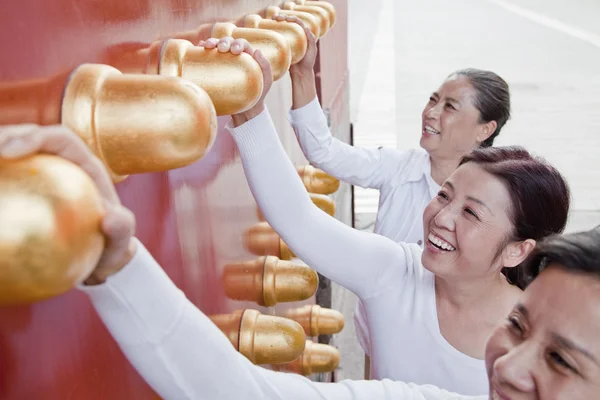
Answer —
317 181
269 280
138 123
50 238
322 201
292 33
262 240
327 6
309 20
272 44
317 12
316 358
234 83
263 339
316 320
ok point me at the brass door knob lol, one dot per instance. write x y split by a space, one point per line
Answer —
319 13
272 44
133 123
263 339
316 358
262 240
316 320
50 238
234 83
269 280
324 5
317 181
312 22
292 33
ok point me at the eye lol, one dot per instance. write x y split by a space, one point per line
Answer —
450 106
442 195
471 212
432 99
559 361
515 325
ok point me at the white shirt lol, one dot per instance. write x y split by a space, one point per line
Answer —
182 355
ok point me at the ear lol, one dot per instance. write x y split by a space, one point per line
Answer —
516 252
486 131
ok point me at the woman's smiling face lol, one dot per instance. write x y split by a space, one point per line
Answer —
549 347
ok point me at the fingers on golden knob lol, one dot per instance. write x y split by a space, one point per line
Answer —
316 320
263 339
272 44
138 123
309 20
261 240
316 358
269 281
292 33
318 181
319 13
233 82
50 238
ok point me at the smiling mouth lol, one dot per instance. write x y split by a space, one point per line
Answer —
430 131
440 243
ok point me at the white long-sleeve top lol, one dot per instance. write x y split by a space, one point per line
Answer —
397 292
182 355
402 177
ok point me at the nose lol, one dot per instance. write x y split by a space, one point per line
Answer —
445 218
515 368
433 112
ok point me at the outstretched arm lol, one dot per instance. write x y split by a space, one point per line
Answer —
184 356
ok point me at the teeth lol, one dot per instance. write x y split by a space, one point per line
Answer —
440 243
431 131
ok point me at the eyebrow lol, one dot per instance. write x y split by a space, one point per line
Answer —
561 340
471 198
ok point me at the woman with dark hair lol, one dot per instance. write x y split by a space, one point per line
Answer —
430 311
548 346
467 111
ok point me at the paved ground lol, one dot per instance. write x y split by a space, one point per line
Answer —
547 50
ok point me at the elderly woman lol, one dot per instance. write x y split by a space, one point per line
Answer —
546 348
467 111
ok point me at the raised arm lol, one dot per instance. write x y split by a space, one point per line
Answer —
369 168
182 355
364 263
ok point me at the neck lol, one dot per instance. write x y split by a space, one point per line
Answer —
463 294
442 168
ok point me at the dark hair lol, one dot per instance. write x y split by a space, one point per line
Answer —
577 252
539 195
492 100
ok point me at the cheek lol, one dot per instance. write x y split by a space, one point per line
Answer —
429 213
497 346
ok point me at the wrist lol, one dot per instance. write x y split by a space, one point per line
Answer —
299 74
243 117
101 273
